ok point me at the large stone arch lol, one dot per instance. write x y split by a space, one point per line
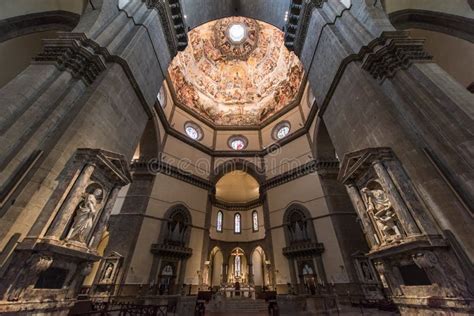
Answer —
238 164
177 211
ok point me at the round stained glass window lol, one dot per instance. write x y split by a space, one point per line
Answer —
236 33
193 131
162 97
281 130
237 142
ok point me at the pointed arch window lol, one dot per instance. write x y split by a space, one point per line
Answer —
220 218
237 222
254 221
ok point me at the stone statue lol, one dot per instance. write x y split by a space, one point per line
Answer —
380 206
85 215
107 277
366 271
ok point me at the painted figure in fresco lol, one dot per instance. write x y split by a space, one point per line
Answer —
380 206
85 215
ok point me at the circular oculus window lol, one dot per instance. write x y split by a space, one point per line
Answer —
162 97
193 131
281 130
237 33
237 142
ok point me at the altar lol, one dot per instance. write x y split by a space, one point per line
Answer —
231 291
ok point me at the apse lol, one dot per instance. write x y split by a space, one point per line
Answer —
237 187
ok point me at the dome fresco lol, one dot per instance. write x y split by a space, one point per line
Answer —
236 71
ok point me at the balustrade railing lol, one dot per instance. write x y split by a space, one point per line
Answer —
124 309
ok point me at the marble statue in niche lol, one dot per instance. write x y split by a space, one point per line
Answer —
85 214
366 273
378 204
108 273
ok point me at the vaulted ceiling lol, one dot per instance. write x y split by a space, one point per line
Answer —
236 71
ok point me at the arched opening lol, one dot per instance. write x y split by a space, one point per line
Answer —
237 187
238 269
259 270
217 268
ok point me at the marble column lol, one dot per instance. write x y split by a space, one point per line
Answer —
360 207
65 214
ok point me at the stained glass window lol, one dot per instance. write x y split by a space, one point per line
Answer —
219 221
281 130
255 221
193 131
237 144
162 97
237 223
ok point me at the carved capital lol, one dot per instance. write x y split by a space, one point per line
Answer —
70 54
173 23
394 53
298 23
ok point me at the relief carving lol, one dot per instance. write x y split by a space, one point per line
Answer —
30 271
378 204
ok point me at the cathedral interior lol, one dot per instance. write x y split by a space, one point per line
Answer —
233 157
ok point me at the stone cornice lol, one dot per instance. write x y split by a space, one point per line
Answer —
237 206
57 20
297 25
450 24
227 153
303 249
57 54
155 166
358 162
173 23
171 251
392 54
381 58
321 167
67 53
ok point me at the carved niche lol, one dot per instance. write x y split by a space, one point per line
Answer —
60 248
412 258
385 201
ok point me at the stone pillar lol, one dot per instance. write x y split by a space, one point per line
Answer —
104 219
367 224
225 267
251 276
439 272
